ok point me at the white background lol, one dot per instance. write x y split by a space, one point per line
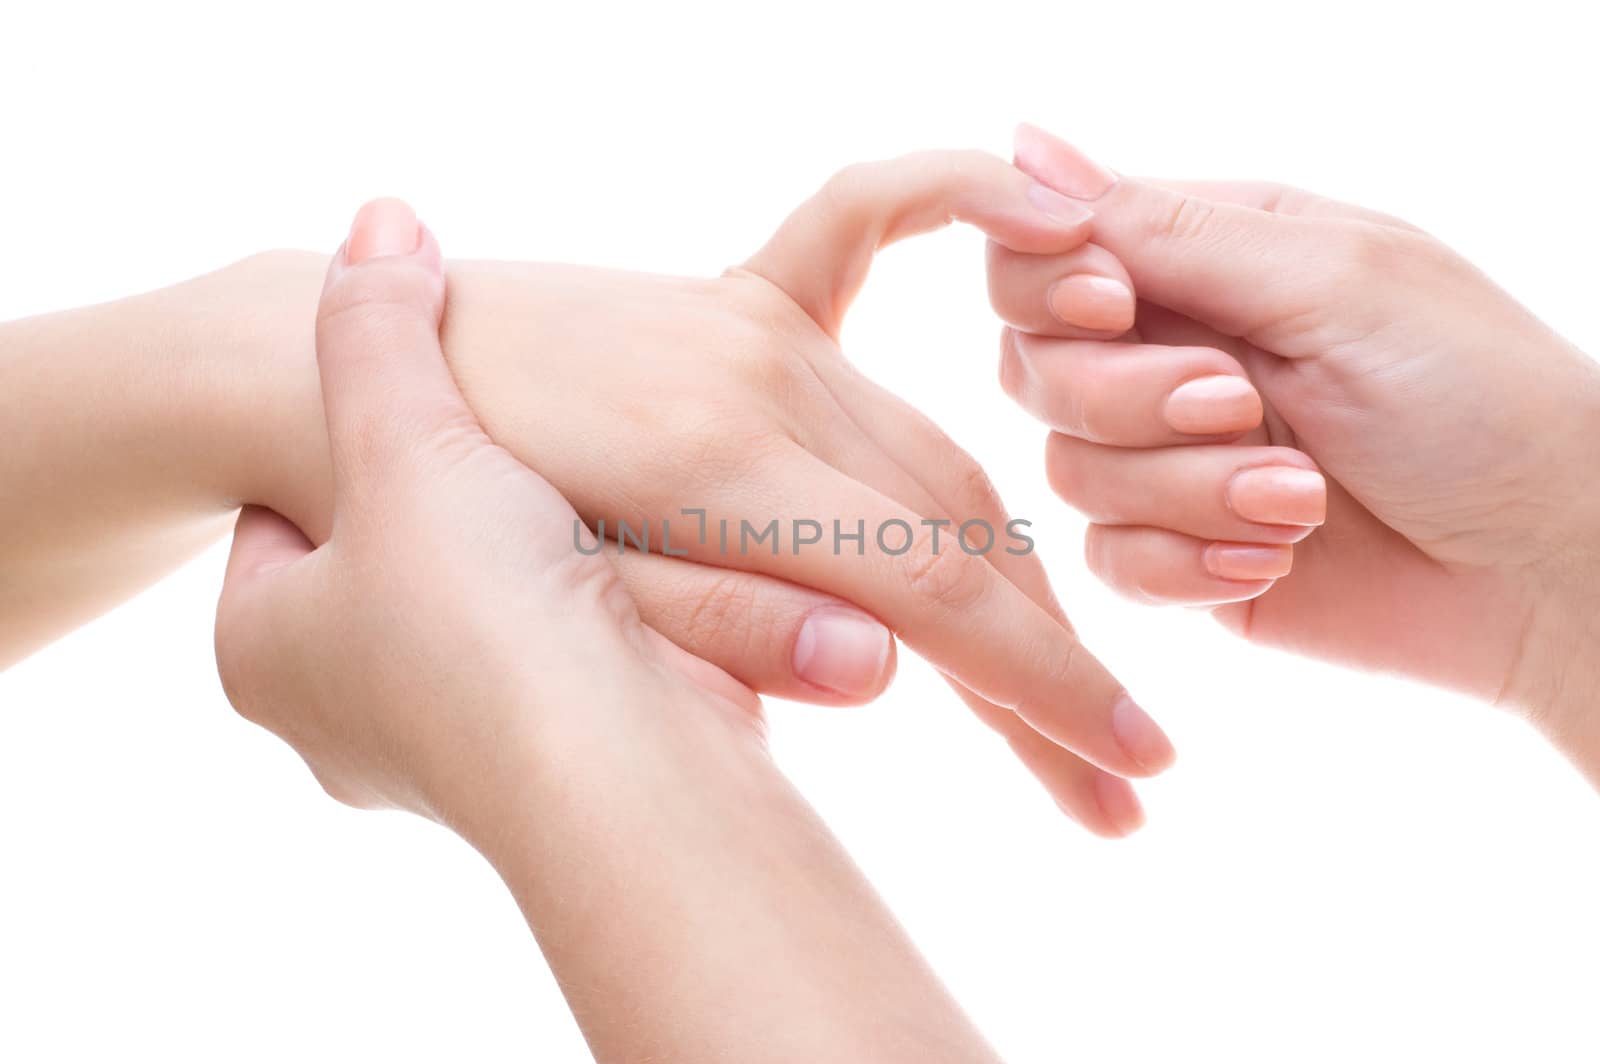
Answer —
1341 867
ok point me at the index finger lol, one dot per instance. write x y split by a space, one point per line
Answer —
820 255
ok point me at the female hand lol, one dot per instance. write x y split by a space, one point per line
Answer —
639 397
1299 362
383 655
448 651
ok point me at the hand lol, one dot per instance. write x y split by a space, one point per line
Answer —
385 655
1297 360
641 396
447 650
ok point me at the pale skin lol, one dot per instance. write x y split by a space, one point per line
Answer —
1312 384
397 658
138 427
393 648
446 651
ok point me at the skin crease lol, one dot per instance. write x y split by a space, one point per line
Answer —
635 395
445 651
1457 434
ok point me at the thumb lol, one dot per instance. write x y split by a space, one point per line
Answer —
386 390
1241 270
820 255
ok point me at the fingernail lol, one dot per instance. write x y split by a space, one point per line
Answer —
1092 302
1248 561
1279 495
1056 207
1206 406
1058 164
843 651
1118 804
382 227
1140 737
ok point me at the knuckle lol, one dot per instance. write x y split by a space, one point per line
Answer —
1071 475
1090 414
767 367
1278 198
1062 672
1061 470
1360 252
1094 552
1078 409
1106 562
1184 218
1013 295
720 612
847 185
948 579
975 493
1422 251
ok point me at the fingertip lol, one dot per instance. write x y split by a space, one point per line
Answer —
845 653
1214 404
1141 738
381 228
1248 562
1058 164
1121 812
1092 302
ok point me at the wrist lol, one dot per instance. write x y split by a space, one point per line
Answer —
248 333
1556 685
578 761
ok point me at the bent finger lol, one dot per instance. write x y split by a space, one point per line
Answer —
1129 395
1255 494
820 255
1084 293
1164 568
1279 279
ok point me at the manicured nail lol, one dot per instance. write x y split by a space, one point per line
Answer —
1206 406
382 227
843 651
1092 302
1059 165
1140 737
1056 207
1279 495
1119 804
1248 561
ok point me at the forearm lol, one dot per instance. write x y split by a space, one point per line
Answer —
135 428
693 907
